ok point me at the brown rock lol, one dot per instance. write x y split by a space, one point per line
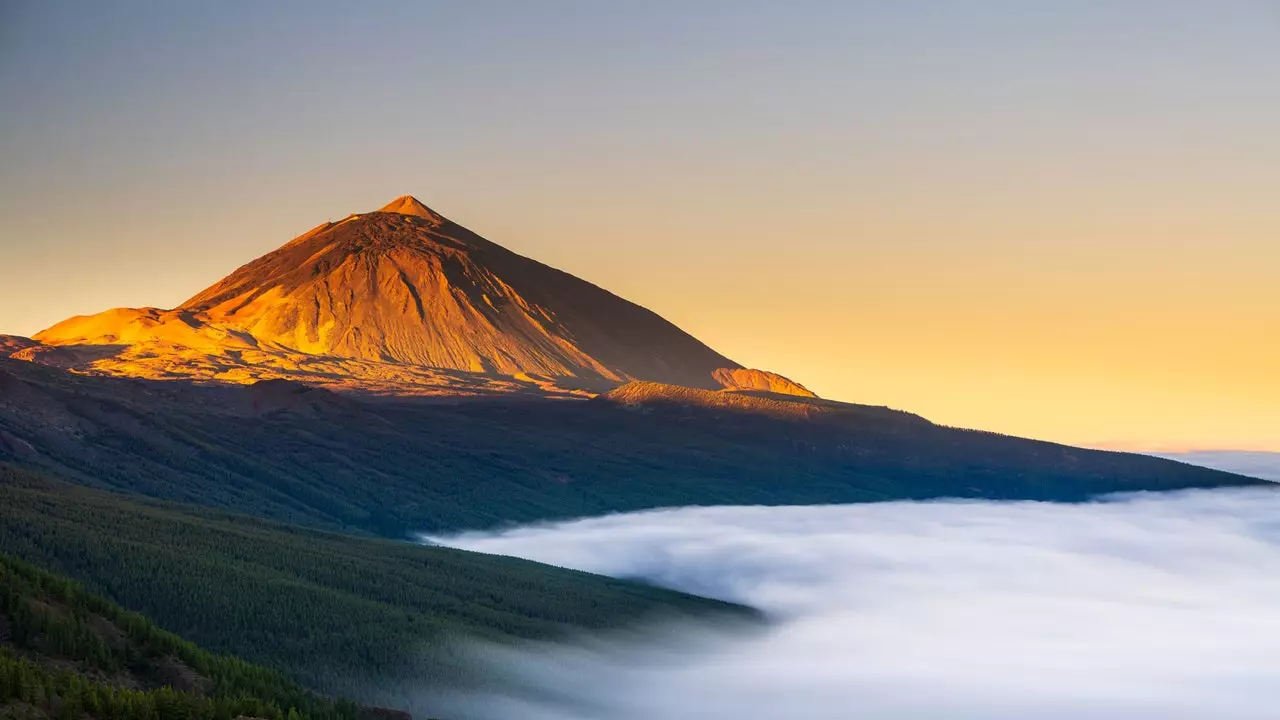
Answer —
744 379
401 287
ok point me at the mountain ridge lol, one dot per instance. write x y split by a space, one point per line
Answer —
394 465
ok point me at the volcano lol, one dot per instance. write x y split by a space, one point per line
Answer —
404 299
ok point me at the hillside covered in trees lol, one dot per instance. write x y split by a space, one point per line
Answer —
331 611
68 654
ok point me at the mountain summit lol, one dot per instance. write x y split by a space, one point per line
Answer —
403 296
410 205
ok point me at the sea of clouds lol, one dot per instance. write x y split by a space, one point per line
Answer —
1145 606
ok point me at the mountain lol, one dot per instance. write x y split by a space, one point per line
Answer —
228 401
402 300
392 466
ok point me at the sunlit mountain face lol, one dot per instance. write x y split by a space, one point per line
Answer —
400 301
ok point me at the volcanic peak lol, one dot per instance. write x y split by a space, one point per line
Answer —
410 205
396 300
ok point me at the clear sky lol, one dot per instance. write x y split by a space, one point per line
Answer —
1059 220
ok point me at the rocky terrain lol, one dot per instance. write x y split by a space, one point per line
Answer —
398 301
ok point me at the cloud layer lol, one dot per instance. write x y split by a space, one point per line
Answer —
1151 606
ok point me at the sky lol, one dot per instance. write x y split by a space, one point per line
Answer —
1056 220
1147 607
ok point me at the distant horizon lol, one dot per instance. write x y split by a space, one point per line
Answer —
1050 222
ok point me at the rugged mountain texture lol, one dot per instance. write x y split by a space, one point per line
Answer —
10 344
399 299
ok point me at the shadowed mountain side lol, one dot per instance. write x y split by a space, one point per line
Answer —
64 356
13 343
395 466
399 287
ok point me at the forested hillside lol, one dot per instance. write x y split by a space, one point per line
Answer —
329 610
69 654
387 467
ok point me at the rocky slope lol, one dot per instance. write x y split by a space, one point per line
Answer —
399 300
746 380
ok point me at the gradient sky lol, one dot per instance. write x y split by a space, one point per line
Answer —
1059 220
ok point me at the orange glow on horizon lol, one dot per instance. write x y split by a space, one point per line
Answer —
1057 223
1074 340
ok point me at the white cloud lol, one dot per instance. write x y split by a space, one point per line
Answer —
1153 606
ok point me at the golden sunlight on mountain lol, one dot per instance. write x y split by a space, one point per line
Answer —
642 395
761 381
401 300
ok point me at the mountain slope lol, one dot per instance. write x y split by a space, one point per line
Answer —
66 653
394 466
329 610
402 286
